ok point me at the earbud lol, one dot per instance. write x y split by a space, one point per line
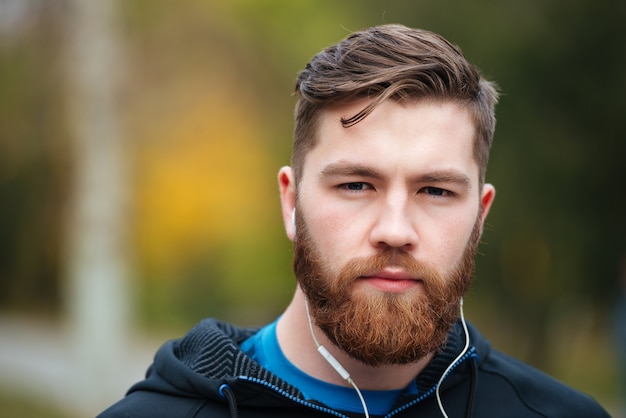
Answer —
293 219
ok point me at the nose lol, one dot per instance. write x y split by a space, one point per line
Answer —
394 227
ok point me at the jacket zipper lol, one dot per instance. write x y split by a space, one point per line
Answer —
291 397
470 352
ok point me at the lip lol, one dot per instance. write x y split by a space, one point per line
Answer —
392 280
391 274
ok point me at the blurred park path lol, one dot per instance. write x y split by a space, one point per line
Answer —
37 363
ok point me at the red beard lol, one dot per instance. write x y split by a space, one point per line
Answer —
382 328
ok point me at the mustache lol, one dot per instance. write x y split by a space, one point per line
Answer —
392 258
365 266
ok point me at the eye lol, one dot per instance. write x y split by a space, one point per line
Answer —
356 186
436 191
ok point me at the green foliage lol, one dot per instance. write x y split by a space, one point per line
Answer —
33 175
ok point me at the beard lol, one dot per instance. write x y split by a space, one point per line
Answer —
375 327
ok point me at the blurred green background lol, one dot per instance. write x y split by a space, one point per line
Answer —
186 108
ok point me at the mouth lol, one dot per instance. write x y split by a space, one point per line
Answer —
391 280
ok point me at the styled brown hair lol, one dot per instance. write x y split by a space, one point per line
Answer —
391 62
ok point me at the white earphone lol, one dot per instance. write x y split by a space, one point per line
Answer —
330 359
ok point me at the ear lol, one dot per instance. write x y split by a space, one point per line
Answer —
287 185
488 194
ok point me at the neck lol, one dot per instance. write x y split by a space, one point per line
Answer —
296 341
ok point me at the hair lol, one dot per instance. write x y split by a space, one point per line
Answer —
391 62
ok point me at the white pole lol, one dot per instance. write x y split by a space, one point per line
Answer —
98 290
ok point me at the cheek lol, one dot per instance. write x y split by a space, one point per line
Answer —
335 234
328 229
452 241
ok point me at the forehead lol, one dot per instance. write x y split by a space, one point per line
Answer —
411 133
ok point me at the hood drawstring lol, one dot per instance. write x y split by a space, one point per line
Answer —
228 393
469 412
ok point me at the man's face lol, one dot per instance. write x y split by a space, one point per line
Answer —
388 215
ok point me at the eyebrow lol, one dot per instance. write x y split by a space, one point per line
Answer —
343 168
349 169
445 176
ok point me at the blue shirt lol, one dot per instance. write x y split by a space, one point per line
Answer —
264 348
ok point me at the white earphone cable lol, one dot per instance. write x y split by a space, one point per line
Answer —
333 361
445 373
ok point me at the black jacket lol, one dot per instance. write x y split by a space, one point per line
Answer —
206 375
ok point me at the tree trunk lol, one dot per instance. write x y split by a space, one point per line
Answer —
97 296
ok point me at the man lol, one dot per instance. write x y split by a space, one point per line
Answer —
385 203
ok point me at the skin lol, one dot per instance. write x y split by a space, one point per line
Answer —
405 178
